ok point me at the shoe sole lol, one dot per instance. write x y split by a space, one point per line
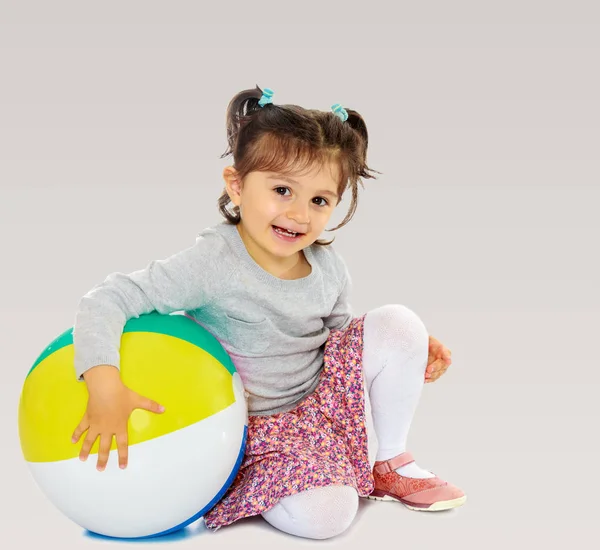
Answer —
435 507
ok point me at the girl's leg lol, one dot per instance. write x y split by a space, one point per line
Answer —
319 513
395 351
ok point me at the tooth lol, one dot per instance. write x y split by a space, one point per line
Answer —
286 232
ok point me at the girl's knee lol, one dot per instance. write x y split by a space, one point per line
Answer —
319 513
397 325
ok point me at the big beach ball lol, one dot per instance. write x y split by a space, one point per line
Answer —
181 462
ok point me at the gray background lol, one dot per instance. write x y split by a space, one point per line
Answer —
484 118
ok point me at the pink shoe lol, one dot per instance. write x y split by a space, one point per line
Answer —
425 495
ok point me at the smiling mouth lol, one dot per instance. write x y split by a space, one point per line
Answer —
285 232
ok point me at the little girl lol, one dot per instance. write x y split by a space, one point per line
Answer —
276 297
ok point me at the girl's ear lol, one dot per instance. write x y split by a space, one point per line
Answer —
233 185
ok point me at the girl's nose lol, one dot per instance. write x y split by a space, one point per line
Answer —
298 214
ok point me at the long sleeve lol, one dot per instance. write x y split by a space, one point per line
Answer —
186 280
341 315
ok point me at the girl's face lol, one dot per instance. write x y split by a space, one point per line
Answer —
272 203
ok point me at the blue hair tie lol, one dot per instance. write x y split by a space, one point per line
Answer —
266 97
340 112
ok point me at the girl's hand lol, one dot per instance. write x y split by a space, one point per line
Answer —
438 361
110 403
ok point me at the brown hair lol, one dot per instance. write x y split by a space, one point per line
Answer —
289 138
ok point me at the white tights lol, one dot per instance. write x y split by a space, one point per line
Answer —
395 351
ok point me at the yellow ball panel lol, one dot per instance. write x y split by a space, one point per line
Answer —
188 381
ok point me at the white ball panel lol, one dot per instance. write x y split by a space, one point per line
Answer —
168 479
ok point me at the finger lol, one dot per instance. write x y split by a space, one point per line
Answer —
104 451
436 365
150 405
435 370
438 373
433 345
89 440
82 427
123 448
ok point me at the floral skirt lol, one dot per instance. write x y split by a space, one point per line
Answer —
323 441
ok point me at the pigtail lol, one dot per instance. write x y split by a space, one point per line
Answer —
240 111
358 124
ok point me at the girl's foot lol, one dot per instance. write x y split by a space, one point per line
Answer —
422 494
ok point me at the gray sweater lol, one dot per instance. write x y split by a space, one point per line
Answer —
273 329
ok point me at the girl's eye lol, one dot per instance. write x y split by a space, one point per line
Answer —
281 191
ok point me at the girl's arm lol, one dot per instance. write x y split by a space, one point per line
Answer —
341 314
184 281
